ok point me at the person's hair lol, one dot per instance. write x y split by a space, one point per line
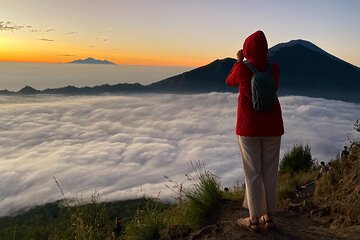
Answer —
322 163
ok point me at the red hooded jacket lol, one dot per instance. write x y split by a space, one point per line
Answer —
252 123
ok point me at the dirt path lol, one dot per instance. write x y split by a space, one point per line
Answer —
290 225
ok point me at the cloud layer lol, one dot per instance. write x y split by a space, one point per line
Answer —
118 145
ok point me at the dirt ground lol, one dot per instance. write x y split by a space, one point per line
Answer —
289 225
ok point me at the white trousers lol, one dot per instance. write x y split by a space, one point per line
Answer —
260 156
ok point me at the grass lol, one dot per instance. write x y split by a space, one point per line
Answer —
343 169
287 183
236 193
339 189
54 221
202 197
194 206
88 221
145 225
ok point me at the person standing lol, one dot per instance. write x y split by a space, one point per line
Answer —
259 133
323 169
345 153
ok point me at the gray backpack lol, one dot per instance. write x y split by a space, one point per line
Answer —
262 88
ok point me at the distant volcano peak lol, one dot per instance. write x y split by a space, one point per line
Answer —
91 60
304 43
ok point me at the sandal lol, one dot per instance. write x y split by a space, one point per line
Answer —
269 223
246 222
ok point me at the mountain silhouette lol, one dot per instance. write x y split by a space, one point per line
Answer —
303 43
306 70
91 60
105 88
28 90
310 71
203 79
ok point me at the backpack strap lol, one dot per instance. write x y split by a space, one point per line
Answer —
251 66
269 67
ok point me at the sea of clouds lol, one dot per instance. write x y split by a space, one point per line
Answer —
122 146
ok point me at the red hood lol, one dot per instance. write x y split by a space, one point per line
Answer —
255 47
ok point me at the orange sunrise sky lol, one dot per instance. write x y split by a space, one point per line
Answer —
169 33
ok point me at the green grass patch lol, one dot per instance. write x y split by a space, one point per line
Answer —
202 197
146 223
287 183
55 221
236 193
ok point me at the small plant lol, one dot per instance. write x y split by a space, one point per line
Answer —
236 193
288 183
297 159
176 188
61 189
325 185
146 223
357 125
354 137
88 220
202 198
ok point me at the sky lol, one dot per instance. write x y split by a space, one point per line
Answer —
169 33
122 146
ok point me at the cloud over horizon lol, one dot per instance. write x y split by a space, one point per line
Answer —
67 55
9 26
71 33
46 39
115 144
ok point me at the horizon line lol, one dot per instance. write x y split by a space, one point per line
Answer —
114 63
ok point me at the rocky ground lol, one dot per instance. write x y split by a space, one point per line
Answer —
289 225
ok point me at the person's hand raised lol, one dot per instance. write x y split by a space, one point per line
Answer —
240 55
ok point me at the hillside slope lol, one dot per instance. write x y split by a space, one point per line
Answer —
207 78
340 191
311 72
333 212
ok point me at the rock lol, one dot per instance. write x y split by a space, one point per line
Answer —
320 212
337 223
296 207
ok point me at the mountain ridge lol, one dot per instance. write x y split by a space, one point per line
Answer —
306 44
306 70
